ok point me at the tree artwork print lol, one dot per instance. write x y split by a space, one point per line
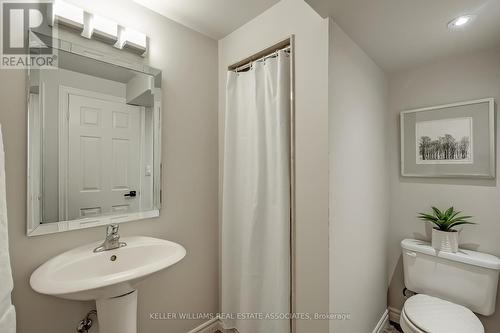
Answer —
444 141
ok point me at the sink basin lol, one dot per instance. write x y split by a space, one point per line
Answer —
81 274
109 277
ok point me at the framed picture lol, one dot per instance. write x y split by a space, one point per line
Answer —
454 140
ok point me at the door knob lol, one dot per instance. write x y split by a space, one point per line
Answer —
130 194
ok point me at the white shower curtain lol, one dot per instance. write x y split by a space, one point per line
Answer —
7 311
256 199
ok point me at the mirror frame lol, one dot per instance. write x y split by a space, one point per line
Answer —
34 226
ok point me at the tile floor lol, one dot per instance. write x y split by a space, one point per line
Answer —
393 328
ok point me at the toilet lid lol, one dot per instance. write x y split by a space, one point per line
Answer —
434 315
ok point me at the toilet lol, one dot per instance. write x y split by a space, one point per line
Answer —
450 288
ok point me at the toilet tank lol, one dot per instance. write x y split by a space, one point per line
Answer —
468 278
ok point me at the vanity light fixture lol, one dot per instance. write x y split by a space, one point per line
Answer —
103 28
133 40
98 27
68 15
460 22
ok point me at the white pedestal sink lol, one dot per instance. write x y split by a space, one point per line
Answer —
108 277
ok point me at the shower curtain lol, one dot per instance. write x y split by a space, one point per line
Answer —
7 310
256 199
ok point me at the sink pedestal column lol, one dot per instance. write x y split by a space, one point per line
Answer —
118 314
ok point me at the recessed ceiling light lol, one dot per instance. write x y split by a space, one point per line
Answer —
460 22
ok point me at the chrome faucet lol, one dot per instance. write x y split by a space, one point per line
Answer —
112 240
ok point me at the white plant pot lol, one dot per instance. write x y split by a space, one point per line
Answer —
445 241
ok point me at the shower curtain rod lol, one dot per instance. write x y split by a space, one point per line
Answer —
250 61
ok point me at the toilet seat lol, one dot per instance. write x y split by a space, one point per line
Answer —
425 314
407 326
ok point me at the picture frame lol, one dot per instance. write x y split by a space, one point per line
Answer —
453 140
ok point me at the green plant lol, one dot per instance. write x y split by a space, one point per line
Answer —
445 220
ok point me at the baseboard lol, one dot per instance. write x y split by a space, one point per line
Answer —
382 323
391 314
211 326
394 315
223 330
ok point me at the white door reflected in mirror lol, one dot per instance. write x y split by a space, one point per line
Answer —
104 157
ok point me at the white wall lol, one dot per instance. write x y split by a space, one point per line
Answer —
311 92
190 182
455 79
359 186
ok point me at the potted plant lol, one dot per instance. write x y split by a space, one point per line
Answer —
444 235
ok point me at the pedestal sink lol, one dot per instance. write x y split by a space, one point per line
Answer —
108 277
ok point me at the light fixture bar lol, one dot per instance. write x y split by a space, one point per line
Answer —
68 15
104 28
99 27
135 40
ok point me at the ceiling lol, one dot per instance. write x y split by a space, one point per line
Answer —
214 18
396 34
403 33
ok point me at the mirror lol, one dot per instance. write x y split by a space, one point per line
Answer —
94 134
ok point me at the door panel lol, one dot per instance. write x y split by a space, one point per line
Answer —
91 151
120 153
104 157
